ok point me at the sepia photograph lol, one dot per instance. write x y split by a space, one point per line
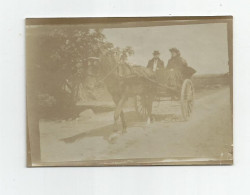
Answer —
129 91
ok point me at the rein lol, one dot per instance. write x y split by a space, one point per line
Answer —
109 73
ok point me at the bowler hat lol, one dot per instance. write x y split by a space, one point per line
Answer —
156 52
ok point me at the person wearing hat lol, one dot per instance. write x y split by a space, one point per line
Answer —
177 69
155 63
176 62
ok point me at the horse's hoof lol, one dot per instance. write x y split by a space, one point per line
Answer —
124 130
112 138
148 121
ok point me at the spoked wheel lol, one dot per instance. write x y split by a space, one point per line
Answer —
141 106
187 98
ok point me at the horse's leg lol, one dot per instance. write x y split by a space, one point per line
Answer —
124 125
149 102
116 100
118 111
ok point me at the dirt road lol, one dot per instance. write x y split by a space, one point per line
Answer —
206 135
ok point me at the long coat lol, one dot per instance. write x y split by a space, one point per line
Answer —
177 63
180 65
160 64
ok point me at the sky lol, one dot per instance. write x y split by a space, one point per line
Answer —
203 46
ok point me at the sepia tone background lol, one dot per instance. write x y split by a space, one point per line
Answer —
62 135
15 178
204 46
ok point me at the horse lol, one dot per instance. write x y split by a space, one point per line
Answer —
124 81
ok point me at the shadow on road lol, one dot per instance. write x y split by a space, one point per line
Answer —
104 132
133 120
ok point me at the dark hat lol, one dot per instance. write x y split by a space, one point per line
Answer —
174 50
156 52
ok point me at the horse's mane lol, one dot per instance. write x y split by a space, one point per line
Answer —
124 69
137 71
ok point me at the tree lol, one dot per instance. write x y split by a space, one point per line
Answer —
54 54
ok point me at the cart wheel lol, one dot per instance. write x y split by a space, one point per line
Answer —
187 98
140 106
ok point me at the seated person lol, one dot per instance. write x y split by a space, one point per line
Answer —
155 63
176 68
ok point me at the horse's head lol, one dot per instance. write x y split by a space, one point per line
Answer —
124 69
108 67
